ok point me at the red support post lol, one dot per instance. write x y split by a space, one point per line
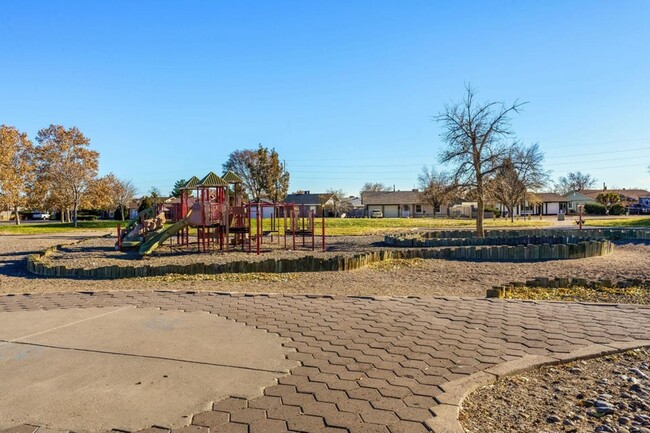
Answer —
119 237
258 224
323 229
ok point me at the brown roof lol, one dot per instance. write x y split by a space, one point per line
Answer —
550 197
633 194
308 199
391 197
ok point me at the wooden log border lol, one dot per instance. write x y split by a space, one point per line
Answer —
510 253
444 238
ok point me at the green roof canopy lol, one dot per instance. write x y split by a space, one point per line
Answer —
191 184
212 180
231 177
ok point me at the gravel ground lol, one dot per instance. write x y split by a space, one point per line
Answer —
427 278
609 394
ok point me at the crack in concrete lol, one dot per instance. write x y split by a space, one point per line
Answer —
135 355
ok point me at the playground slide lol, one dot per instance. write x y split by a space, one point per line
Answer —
156 240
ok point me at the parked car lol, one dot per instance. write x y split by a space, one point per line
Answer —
376 213
41 215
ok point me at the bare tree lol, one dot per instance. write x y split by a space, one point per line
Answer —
437 188
337 205
475 134
575 181
507 188
374 187
520 172
124 193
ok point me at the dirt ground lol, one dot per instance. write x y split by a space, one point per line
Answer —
607 394
428 278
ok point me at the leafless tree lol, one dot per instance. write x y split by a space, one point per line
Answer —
374 187
437 188
575 181
337 205
476 135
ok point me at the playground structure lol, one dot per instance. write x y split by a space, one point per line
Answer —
216 218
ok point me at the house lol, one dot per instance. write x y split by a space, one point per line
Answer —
539 203
399 204
310 201
585 196
353 207
575 199
628 196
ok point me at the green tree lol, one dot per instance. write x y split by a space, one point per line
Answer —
146 203
263 175
476 135
608 199
176 192
16 168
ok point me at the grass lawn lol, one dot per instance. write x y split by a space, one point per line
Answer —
333 226
370 226
619 222
55 227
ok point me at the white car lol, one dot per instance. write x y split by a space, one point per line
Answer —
376 213
41 215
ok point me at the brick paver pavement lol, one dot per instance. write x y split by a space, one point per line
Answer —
371 365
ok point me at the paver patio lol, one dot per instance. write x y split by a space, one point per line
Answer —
370 364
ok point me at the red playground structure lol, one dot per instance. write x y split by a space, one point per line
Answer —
211 215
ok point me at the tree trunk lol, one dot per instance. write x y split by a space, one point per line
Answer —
479 218
62 215
123 209
16 214
512 214
74 213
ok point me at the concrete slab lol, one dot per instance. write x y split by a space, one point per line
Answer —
24 323
128 369
198 337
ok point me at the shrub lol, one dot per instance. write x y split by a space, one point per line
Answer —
594 209
617 209
494 210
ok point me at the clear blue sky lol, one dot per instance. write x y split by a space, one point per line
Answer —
344 91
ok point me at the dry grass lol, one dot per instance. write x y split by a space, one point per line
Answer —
614 295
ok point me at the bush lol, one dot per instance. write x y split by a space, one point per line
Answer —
617 209
494 210
117 215
594 209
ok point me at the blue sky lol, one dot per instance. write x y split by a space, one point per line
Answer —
344 91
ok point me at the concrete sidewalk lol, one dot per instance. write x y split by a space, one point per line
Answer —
100 368
364 364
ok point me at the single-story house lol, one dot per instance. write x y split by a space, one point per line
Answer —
585 196
575 199
310 201
540 203
628 196
399 204
354 207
